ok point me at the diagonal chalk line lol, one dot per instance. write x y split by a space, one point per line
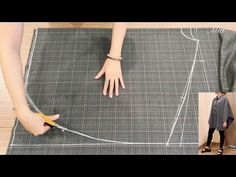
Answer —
187 87
182 133
203 65
109 142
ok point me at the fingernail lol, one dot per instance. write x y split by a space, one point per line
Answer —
110 96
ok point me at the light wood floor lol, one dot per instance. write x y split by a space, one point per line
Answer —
7 117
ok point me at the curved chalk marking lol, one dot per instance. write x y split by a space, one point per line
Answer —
100 139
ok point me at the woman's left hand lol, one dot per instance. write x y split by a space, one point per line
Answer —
113 75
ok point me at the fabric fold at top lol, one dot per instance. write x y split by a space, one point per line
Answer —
227 61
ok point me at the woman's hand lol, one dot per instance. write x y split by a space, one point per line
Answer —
225 124
113 75
33 122
112 68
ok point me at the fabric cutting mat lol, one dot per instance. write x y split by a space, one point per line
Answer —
155 106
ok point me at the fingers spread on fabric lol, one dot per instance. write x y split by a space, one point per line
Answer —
117 86
111 88
105 86
100 73
122 82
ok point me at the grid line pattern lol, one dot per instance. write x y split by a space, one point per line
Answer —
156 66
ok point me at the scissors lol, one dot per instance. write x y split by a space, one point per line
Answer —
50 123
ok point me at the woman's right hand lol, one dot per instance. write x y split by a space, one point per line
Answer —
33 122
225 124
11 66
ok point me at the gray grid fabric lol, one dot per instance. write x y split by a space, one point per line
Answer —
227 62
156 66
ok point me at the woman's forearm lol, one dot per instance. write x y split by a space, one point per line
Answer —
11 65
118 34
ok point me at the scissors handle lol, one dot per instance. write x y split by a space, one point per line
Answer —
48 121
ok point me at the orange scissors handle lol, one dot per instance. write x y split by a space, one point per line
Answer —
48 121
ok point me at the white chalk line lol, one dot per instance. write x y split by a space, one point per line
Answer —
203 65
106 140
186 89
94 144
181 139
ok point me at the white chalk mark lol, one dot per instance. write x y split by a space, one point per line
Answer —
14 133
181 139
187 87
185 113
94 144
203 65
183 98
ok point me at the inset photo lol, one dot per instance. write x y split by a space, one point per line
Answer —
217 125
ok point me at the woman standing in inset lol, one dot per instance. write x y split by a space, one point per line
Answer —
220 118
